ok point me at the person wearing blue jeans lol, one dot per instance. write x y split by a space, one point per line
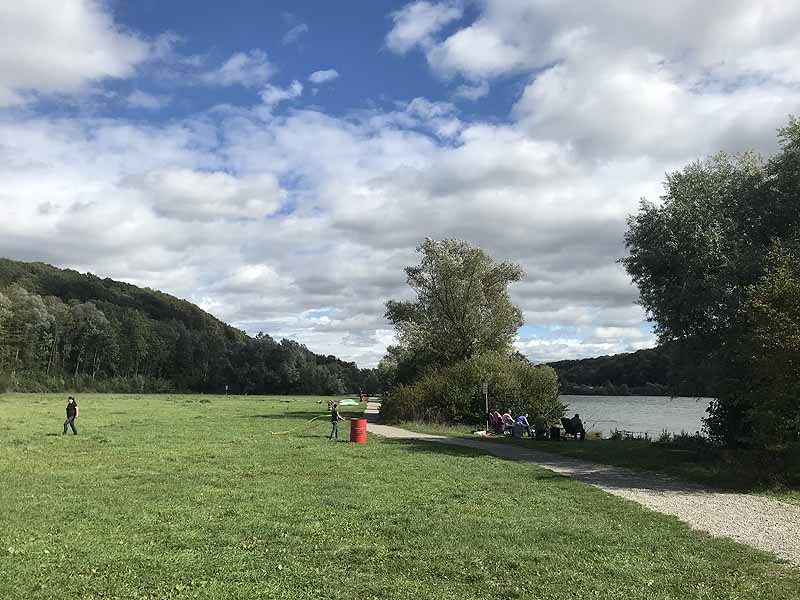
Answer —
335 418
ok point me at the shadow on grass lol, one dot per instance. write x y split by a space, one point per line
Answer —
604 476
289 415
721 470
303 415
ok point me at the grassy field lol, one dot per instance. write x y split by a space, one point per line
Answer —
192 497
727 470
724 470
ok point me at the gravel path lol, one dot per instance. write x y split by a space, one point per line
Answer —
761 522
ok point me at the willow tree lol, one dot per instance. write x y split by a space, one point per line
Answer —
462 306
696 258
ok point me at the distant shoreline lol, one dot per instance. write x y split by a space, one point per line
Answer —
631 395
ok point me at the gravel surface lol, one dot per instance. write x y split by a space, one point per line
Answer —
761 522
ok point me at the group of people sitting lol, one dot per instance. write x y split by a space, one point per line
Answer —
505 424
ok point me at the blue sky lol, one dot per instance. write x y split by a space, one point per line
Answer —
325 34
297 39
278 162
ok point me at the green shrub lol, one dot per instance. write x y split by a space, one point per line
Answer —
453 394
33 382
665 437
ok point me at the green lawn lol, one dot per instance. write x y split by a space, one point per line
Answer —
726 470
192 497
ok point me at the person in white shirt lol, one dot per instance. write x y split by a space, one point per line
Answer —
508 420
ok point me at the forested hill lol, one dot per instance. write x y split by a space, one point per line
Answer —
60 329
650 372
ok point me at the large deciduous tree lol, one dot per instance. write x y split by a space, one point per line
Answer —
773 345
462 306
698 258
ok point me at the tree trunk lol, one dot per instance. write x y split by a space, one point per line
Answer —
52 358
95 363
78 361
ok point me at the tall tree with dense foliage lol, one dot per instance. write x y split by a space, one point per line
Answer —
462 307
698 254
457 333
773 344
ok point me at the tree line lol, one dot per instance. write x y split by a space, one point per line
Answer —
60 329
649 372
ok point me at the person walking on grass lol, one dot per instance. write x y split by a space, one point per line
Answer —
72 414
335 418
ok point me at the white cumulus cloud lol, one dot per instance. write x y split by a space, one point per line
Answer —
273 94
191 195
472 92
140 99
417 23
323 76
293 35
62 48
249 69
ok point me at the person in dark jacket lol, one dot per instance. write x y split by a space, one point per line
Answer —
72 414
575 427
540 426
335 418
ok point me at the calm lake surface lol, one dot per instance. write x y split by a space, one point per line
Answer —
652 414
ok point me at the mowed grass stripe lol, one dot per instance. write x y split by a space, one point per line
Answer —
192 497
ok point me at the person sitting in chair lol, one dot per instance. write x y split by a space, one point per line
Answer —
522 421
574 427
508 420
497 423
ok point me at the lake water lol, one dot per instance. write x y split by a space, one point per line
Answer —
651 414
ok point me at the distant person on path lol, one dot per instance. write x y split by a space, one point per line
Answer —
72 414
361 396
335 418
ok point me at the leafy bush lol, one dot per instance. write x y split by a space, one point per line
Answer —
665 437
453 394
39 383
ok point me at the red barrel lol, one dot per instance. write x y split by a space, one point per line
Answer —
358 431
